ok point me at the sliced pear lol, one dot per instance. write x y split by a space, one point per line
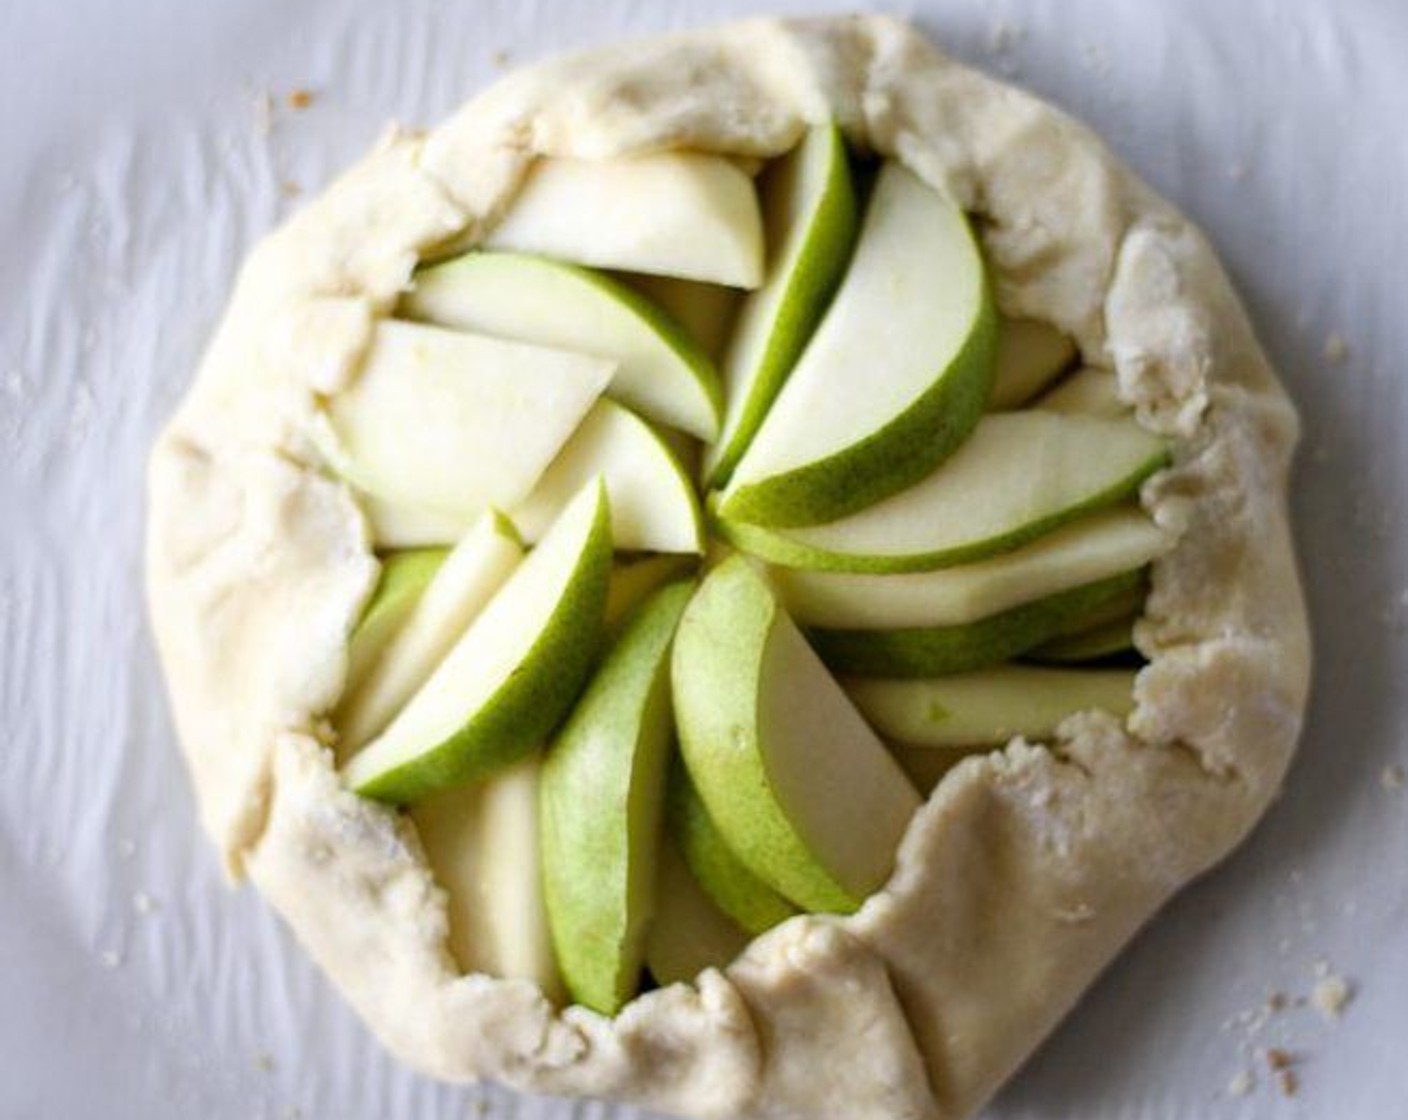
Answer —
404 578
395 526
1030 356
1104 640
634 581
688 933
1020 476
1089 391
1096 547
482 844
682 214
706 311
653 507
895 376
799 786
602 799
926 766
512 674
809 213
989 706
464 584
660 371
453 422
936 651
748 901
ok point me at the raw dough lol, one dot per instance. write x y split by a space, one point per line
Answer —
1028 868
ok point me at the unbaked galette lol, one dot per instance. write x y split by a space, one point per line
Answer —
733 575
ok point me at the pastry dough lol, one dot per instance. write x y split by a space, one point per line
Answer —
1026 870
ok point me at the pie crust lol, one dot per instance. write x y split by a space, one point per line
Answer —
1026 870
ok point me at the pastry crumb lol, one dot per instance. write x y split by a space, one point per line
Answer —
263 1062
301 99
500 59
1331 995
143 903
1278 1059
1276 1001
1241 1084
1287 1082
1336 348
1393 777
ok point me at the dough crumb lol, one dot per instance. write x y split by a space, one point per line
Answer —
1278 1059
1241 1084
143 903
1393 777
301 99
500 59
1336 348
290 189
1331 995
1288 1082
263 1062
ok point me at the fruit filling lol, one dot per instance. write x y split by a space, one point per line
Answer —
721 514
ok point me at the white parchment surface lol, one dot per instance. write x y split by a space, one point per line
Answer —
145 144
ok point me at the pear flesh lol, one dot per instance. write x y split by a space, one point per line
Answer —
510 677
404 578
660 371
683 214
1031 355
688 933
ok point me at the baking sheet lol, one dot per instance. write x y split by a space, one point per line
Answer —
145 145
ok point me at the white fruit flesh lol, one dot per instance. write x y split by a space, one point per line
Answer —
796 782
509 677
1020 475
653 507
1030 355
682 214
634 581
809 212
455 422
464 584
926 766
660 371
1094 548
688 933
1090 391
402 526
482 843
989 706
894 376
706 311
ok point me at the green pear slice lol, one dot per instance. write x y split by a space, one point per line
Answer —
602 798
809 213
748 901
1089 391
1104 640
511 676
653 507
1030 356
895 376
926 766
1094 548
455 422
395 526
632 582
936 651
660 371
683 214
404 578
799 786
471 574
688 932
482 844
989 706
1020 476
705 311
